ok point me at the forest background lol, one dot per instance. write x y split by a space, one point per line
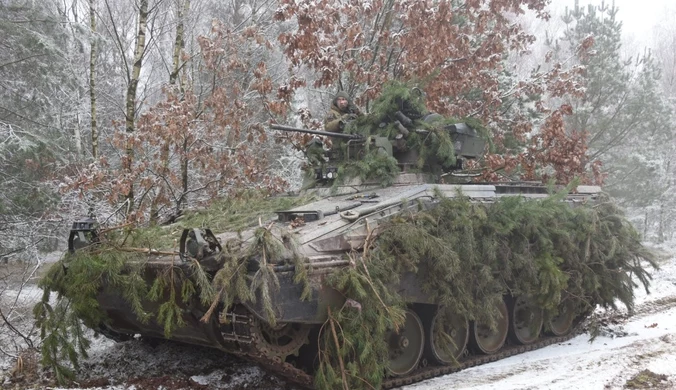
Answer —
138 109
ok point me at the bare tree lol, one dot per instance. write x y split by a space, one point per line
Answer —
92 78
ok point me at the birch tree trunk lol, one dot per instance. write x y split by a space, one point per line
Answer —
77 136
131 90
178 48
136 69
182 9
92 79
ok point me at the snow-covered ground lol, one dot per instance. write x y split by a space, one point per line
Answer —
644 341
629 346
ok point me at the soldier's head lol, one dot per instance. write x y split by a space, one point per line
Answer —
341 100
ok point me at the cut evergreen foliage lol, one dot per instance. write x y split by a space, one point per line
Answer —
469 255
374 165
78 278
233 282
427 133
188 281
234 213
465 255
398 96
354 353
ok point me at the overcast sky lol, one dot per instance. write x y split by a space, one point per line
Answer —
638 16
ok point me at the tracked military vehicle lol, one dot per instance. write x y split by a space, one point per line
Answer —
287 320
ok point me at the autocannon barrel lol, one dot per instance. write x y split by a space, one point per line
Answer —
316 132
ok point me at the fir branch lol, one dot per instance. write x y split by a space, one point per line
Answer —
337 344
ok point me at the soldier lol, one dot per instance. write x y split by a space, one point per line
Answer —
342 111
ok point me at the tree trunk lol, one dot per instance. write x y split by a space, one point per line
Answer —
92 79
180 44
661 223
184 172
182 10
139 51
182 7
77 135
136 70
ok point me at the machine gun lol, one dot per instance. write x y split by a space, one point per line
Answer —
466 144
316 132
356 143
326 164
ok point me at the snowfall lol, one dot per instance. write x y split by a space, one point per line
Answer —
632 351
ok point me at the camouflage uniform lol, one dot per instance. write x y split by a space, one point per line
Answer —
336 118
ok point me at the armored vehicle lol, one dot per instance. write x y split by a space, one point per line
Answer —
303 294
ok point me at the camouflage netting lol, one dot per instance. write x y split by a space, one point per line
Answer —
468 255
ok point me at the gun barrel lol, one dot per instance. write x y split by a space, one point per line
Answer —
317 132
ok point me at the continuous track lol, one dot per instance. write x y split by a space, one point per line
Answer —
301 378
425 373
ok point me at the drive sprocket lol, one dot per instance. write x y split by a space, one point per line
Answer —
279 341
